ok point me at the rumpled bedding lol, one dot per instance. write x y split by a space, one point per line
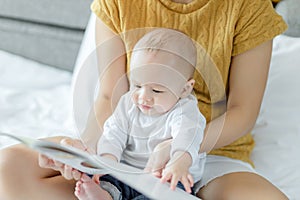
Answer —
34 99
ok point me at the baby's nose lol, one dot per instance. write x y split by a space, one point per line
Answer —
146 94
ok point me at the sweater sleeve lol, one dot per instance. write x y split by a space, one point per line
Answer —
258 22
108 12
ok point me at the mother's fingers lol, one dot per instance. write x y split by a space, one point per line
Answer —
44 161
68 172
76 174
76 144
72 142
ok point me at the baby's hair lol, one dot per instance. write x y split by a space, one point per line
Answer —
169 40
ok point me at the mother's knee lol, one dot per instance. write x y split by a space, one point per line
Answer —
10 171
241 185
9 159
7 155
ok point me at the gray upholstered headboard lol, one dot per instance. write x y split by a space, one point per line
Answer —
48 31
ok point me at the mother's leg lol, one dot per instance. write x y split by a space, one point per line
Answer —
240 185
22 178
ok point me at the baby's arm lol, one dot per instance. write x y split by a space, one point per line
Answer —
177 169
114 137
187 126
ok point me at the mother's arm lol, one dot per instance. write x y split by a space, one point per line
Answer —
248 77
111 62
113 81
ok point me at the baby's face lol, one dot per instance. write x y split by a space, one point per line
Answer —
152 99
155 85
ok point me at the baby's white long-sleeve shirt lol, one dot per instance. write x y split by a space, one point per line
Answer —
131 136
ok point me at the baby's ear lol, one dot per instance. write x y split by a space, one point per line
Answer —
188 88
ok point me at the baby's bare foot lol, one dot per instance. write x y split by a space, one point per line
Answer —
87 189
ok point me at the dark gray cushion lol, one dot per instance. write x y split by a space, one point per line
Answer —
51 45
67 13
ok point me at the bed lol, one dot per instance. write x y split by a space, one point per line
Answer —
36 101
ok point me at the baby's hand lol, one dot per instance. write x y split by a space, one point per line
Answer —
159 158
178 170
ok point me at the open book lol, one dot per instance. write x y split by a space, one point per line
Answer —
143 182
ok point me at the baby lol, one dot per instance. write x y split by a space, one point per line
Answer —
159 106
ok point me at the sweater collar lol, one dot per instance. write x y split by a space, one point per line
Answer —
184 8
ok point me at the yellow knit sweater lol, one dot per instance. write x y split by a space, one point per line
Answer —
221 29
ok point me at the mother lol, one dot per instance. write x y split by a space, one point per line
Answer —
237 37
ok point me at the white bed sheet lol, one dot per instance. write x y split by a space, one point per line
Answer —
34 99
277 130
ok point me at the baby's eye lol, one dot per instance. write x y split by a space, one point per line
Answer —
137 86
157 91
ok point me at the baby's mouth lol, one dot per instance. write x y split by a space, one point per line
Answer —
145 107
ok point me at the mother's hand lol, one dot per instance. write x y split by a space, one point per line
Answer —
66 171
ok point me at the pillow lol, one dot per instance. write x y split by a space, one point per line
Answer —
289 10
277 131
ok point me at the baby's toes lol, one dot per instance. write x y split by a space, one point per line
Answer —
78 188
